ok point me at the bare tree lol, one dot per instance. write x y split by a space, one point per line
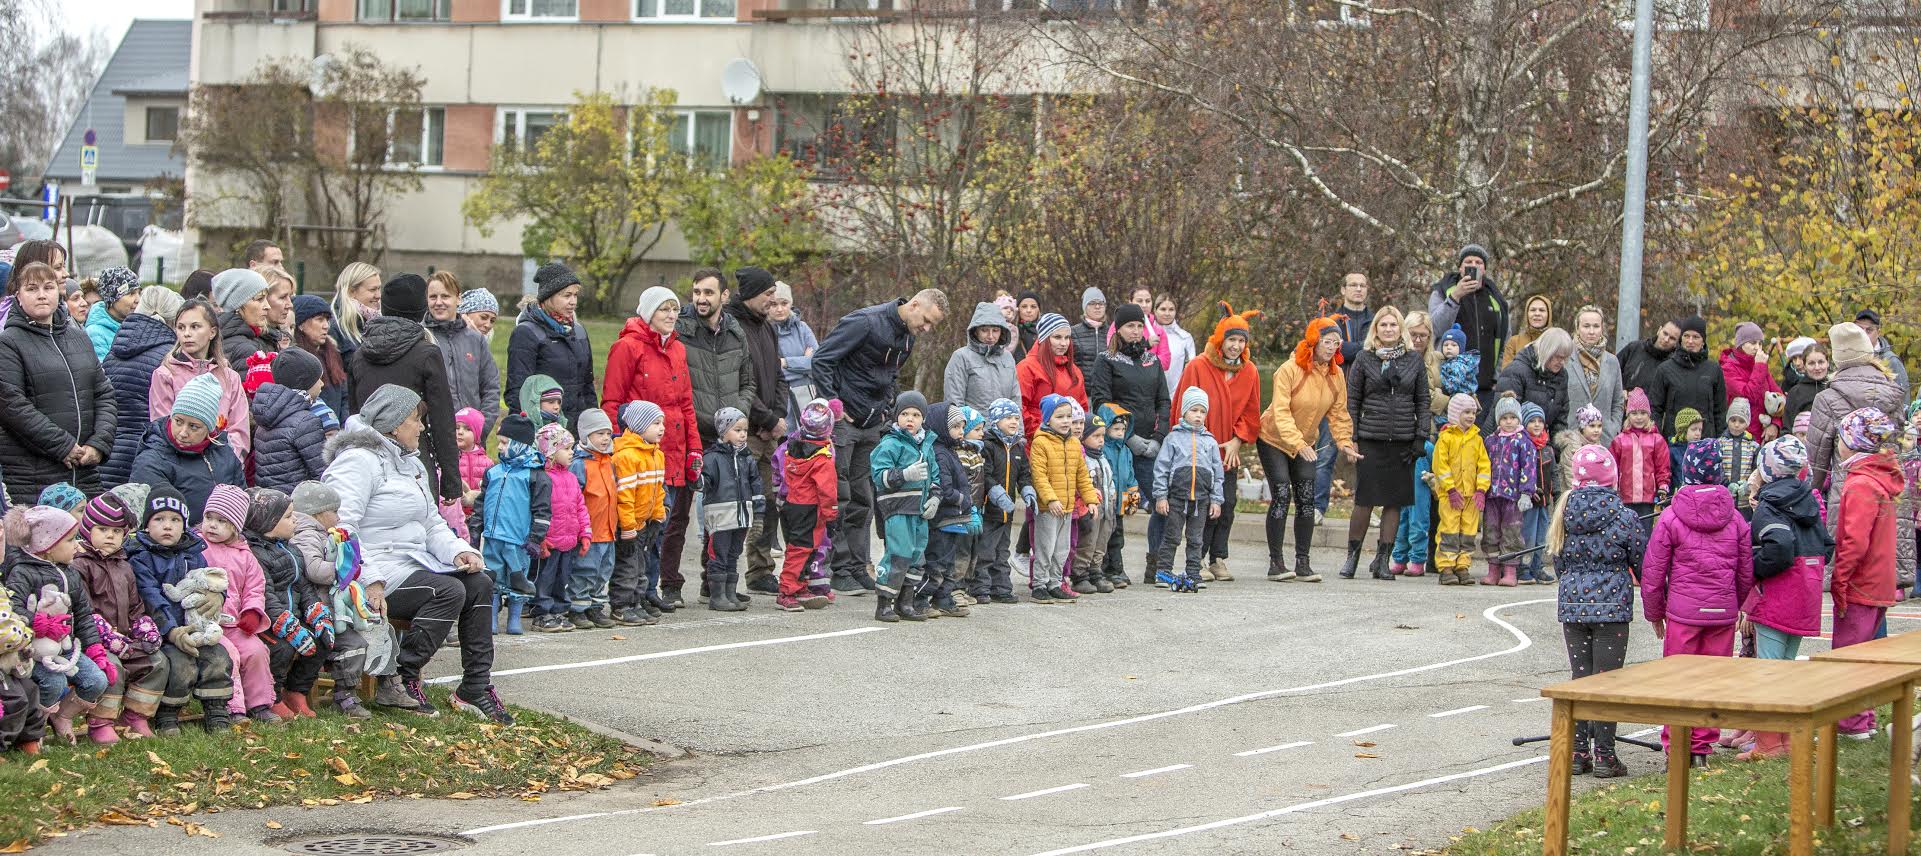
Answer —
49 73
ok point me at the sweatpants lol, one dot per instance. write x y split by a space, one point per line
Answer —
905 539
993 572
1053 540
680 501
294 672
207 676
1534 523
504 561
433 604
21 720
1709 641
1454 546
1090 555
1501 528
587 587
721 557
1854 627
1772 644
87 681
1185 521
804 529
254 664
550 586
1592 649
938 577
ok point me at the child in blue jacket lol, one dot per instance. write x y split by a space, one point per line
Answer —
906 480
515 508
1188 481
162 554
1410 539
1127 490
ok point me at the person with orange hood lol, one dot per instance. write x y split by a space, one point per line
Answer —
1308 388
1226 372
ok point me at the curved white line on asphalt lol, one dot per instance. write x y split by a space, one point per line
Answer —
1522 643
662 655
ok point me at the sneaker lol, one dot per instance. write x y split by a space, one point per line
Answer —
390 693
1063 594
487 705
1084 587
847 586
632 616
1041 595
1118 581
810 600
598 615
962 598
764 585
1004 598
1856 735
1608 767
1102 586
788 603
419 694
580 621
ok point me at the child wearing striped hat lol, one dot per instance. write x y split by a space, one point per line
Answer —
131 637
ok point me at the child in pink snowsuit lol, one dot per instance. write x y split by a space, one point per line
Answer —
220 527
1697 572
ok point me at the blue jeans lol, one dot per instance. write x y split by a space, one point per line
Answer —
89 683
550 597
1772 644
1323 468
587 588
1534 523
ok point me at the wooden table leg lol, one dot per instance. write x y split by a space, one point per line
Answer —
1900 765
1679 758
1560 773
1801 791
1824 776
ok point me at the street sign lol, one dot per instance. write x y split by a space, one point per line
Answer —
89 161
51 195
6 179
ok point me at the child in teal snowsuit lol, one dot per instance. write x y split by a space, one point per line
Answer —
905 477
1410 540
1127 490
515 508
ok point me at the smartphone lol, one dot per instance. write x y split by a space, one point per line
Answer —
1473 273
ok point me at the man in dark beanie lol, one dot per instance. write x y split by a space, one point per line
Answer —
394 350
1468 296
404 296
766 414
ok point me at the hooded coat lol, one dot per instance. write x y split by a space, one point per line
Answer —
1699 564
397 351
954 488
978 374
1749 378
1864 555
29 573
1531 383
138 350
193 473
646 366
472 373
1511 352
387 499
1646 467
1689 379
1604 543
1850 389
155 566
288 438
720 367
1791 550
1639 359
53 396
541 345
768 404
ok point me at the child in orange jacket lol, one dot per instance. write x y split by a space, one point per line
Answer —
640 470
595 468
812 492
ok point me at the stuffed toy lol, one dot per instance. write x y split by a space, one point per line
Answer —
201 595
16 640
53 646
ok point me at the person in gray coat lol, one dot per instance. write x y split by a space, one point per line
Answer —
1594 375
472 373
983 369
797 343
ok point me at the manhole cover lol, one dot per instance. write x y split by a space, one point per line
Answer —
372 844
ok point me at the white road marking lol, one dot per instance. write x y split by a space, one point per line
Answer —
661 655
1264 751
1457 711
915 816
775 837
1141 774
1368 730
1531 699
1292 809
1522 643
1041 793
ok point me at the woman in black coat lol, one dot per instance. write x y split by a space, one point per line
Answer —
138 349
395 349
56 405
1387 397
550 341
1690 378
1539 375
1130 377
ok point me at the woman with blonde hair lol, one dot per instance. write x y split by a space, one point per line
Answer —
1388 402
356 301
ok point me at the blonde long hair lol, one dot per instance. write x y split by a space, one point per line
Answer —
1373 341
1556 528
347 309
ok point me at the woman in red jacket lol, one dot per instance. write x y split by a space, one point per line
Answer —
1745 368
649 363
1226 372
1049 369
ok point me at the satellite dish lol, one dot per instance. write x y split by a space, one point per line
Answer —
740 82
319 71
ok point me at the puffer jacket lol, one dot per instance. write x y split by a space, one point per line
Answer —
102 327
175 371
1699 564
1791 549
53 395
1864 556
646 366
1042 374
155 566
1530 383
1645 465
516 506
1388 400
1604 542
1059 471
110 584
472 373
1189 467
859 362
1088 344
729 485
1302 398
396 351
1132 378
474 465
571 523
1689 379
769 401
1849 389
1006 472
978 374
386 499
720 368
1749 378
810 481
285 572
246 611
29 573
955 490
288 439
193 473
239 340
541 345
315 546
135 358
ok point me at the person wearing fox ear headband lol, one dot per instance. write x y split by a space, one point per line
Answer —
1308 388
1227 373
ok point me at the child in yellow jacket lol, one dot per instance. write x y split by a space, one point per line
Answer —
1459 476
1060 479
641 490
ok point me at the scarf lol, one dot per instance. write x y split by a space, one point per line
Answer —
332 371
1393 352
539 314
1133 350
1540 440
195 449
1590 358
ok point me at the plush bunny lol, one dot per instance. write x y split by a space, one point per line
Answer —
16 639
201 594
53 646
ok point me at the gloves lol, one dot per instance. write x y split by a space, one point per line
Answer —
760 506
974 523
1027 496
1525 503
320 619
98 654
930 507
693 466
1454 499
287 629
1138 445
178 637
1480 500
1001 500
916 471
533 550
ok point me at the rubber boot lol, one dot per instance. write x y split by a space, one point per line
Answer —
718 587
496 613
301 705
904 605
166 720
1493 575
1415 569
282 710
734 594
137 725
1507 575
1767 744
514 606
1353 562
1382 552
101 732
62 715
1397 568
884 605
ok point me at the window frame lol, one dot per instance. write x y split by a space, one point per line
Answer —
519 128
146 121
425 110
444 13
508 16
695 17
692 140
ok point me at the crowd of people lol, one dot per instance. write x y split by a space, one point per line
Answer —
221 493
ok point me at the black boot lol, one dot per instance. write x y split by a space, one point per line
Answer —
166 720
655 604
1303 571
1608 766
718 587
214 715
1353 562
1378 568
884 606
904 604
671 600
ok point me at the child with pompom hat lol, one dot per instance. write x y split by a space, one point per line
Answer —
1596 544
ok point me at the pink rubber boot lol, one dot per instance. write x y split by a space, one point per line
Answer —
136 724
101 732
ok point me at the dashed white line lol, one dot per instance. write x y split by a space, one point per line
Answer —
1267 749
758 839
1141 774
661 655
1531 699
1368 730
1457 711
915 816
1041 793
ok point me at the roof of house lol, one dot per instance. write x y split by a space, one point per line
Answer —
152 60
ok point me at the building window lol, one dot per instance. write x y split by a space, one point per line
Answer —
540 10
521 129
821 130
417 137
683 10
163 124
707 135
406 10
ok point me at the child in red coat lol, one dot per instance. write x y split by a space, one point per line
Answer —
1864 538
812 490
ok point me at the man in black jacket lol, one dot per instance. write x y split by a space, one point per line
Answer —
1641 357
766 415
858 362
1468 296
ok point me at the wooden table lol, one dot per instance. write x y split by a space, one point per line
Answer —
1724 692
1904 649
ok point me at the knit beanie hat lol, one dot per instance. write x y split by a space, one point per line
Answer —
1594 466
1687 416
37 528
306 306
1091 296
1783 458
477 300
228 503
1095 424
1638 401
198 284
552 278
971 419
199 400
553 437
475 422
817 420
235 286
1800 346
1456 335
1531 411
725 419
1588 415
1701 463
63 496
517 427
1693 324
159 302
1461 405
1803 421
265 507
1005 303
635 416
1745 332
314 497
1742 409
1193 397
955 418
1506 406
1472 251
404 296
259 371
115 283
164 497
592 419
650 301
1129 313
389 406
1047 324
783 291
1849 344
1866 429
910 398
105 510
295 369
752 282
133 497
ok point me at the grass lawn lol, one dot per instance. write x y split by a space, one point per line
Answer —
1733 807
327 761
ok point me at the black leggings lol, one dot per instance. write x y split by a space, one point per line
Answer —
1289 477
1592 649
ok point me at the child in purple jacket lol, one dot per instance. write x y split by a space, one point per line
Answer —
1698 571
1514 467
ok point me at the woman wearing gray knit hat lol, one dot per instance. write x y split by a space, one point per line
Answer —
412 566
549 340
242 296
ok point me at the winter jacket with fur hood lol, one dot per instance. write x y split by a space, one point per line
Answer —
138 350
1699 564
1850 389
978 374
1533 384
1603 544
386 499
396 351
